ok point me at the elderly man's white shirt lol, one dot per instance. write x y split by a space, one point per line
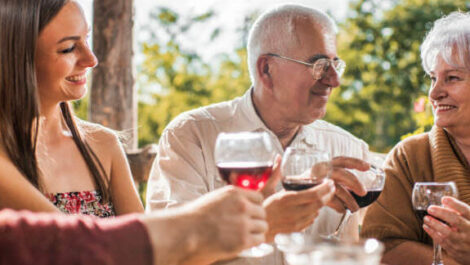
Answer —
185 167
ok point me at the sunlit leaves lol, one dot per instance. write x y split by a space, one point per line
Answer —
384 76
184 80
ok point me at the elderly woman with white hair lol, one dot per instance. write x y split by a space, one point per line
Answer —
441 155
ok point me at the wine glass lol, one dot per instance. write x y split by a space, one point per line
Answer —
426 194
301 169
374 181
245 159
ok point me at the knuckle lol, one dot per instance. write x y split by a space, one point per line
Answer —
245 240
243 225
315 197
242 207
458 222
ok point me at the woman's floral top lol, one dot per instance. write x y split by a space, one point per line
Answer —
82 202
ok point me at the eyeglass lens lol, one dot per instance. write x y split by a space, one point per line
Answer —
321 66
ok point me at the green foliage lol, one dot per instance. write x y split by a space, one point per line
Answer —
384 75
379 40
182 79
80 108
423 117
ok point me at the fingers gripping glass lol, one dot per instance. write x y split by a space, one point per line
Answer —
426 194
301 169
374 181
319 67
245 159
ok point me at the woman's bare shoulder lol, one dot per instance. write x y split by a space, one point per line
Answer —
97 133
104 141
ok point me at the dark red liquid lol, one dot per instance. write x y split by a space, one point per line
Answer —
299 184
245 175
367 199
422 213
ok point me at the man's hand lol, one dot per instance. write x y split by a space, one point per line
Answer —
292 211
345 182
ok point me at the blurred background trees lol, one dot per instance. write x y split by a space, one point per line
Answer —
181 79
383 93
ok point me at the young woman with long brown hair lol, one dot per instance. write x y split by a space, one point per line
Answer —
79 166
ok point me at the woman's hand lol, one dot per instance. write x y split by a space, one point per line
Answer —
454 235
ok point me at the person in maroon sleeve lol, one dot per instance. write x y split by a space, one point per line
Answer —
214 227
43 57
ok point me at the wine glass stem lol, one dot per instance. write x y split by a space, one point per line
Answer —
437 260
341 223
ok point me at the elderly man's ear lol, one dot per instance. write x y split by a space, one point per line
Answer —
263 70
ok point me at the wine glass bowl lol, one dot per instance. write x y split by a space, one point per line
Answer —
304 168
426 194
351 252
374 181
301 169
245 159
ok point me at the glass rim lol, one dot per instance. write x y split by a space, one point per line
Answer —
433 183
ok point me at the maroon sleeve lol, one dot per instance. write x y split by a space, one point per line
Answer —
32 238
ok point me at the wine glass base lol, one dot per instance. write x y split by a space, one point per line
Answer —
332 237
289 242
257 252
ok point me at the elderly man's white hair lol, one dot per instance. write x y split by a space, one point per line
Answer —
449 38
274 31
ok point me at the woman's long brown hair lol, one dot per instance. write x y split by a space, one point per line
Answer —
21 22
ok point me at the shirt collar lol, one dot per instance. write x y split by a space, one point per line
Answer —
251 121
249 117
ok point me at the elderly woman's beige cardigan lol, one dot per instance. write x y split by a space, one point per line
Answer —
432 156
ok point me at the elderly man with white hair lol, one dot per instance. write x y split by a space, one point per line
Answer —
294 67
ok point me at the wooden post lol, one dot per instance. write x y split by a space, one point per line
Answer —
113 100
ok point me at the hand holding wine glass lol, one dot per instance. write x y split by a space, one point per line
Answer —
301 169
454 234
346 182
426 194
373 181
245 160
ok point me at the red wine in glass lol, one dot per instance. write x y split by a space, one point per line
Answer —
367 199
299 184
421 213
247 175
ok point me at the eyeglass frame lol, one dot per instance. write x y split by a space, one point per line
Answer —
341 65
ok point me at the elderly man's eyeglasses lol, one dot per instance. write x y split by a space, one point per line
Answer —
319 67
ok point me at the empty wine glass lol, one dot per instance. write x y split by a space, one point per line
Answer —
245 159
301 169
426 194
317 251
374 181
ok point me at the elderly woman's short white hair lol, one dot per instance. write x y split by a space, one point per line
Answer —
449 38
274 31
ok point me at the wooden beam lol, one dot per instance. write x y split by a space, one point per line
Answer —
141 162
113 97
